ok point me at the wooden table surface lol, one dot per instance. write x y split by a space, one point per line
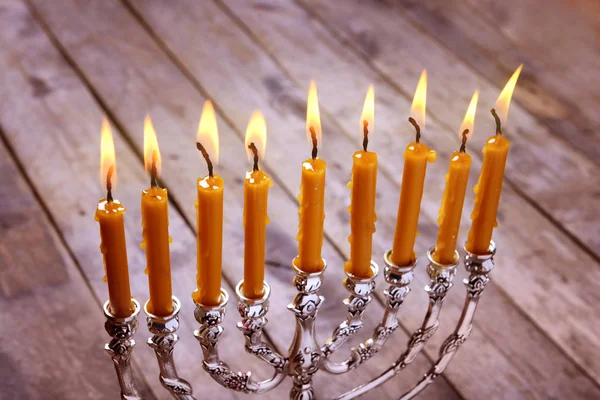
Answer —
65 64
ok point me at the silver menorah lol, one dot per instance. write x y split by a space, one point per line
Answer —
305 356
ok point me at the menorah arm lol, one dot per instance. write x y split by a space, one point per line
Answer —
210 319
163 341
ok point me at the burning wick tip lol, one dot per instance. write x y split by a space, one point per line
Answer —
417 128
206 157
252 147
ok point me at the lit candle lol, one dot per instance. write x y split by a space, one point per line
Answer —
489 185
362 196
416 157
109 214
311 213
155 229
209 211
256 191
454 192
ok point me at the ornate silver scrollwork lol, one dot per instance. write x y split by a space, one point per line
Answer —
120 348
163 341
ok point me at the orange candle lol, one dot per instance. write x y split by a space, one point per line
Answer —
209 208
416 157
362 197
489 185
109 214
311 212
155 230
454 193
256 190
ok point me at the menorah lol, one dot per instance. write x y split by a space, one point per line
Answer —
305 356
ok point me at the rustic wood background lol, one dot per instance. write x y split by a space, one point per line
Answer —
66 63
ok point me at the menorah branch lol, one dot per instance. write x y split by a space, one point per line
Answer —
120 348
163 343
210 319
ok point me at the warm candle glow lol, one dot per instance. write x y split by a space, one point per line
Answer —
151 152
107 155
256 132
503 101
208 134
313 118
368 112
469 119
417 110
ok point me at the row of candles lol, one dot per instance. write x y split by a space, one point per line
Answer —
110 212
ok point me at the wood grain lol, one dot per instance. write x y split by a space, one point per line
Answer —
132 77
43 291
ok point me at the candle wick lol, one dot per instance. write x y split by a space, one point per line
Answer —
498 123
154 170
365 134
313 137
109 175
463 146
206 157
417 128
252 147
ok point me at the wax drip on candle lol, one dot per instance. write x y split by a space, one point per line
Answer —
206 157
365 134
463 145
252 147
498 123
417 128
154 170
313 137
109 174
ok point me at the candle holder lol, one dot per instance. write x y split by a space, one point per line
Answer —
305 357
163 343
121 346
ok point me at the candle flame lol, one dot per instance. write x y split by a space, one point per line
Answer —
208 134
417 110
368 112
151 151
107 155
313 118
503 101
256 132
469 119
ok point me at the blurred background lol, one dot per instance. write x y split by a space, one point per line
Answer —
67 63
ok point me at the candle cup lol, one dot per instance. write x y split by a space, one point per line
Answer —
163 343
120 348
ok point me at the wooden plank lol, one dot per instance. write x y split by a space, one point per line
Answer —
493 37
65 359
133 76
55 133
346 73
255 78
255 75
402 52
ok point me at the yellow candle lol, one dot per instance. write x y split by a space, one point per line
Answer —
362 197
256 190
416 157
489 185
109 214
311 212
155 230
454 193
209 209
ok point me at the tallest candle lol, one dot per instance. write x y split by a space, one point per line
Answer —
155 229
489 185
